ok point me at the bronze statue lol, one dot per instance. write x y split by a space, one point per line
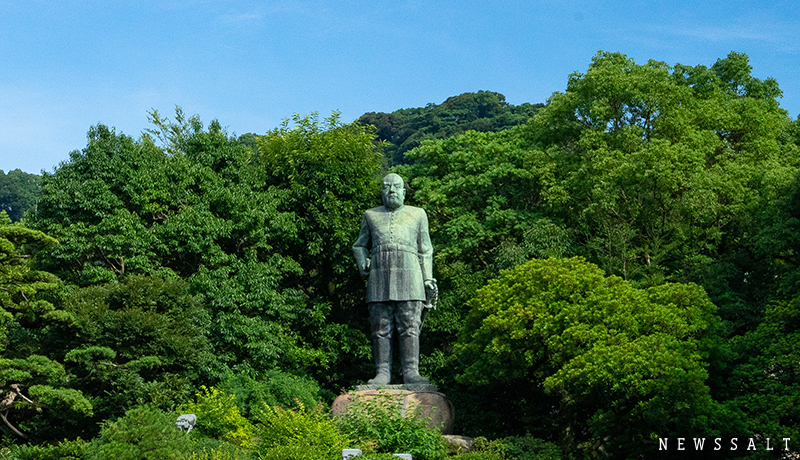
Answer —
394 251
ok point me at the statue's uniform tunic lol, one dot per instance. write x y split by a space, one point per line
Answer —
400 263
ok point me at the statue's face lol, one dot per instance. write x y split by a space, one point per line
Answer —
393 191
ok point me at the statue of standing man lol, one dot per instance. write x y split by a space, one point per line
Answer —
394 251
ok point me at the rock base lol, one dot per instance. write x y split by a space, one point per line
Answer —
426 403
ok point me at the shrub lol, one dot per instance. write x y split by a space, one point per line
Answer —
218 417
65 450
297 452
310 430
516 448
143 433
478 456
378 421
274 388
375 456
206 448
219 453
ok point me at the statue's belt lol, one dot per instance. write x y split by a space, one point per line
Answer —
395 247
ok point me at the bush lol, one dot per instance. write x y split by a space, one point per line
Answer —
309 430
143 433
65 450
205 448
515 448
218 417
374 456
478 456
297 452
378 422
274 388
219 453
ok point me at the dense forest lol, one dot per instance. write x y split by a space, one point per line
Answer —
617 267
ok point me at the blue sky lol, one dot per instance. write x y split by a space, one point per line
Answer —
68 65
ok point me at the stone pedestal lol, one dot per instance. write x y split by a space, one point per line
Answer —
412 399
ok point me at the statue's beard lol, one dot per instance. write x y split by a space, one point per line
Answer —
393 202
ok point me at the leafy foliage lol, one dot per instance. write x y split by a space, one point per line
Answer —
28 379
218 417
138 341
273 388
301 430
19 192
65 450
766 384
219 453
405 129
778 231
513 448
143 433
662 169
478 456
295 451
329 172
379 422
621 363
245 231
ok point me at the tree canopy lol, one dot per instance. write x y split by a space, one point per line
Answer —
30 381
19 192
404 129
615 363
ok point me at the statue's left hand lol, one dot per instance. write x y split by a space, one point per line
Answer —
431 293
431 289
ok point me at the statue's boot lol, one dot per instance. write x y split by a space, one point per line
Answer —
409 347
382 349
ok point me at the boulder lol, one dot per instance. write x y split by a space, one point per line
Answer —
424 404
459 444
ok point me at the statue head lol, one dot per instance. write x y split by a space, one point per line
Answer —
393 191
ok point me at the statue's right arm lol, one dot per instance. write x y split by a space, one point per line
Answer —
361 247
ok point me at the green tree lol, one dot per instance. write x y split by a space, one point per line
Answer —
655 173
765 384
404 129
617 366
328 173
190 209
30 382
484 194
763 381
102 205
775 241
142 340
143 433
662 169
19 192
263 238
